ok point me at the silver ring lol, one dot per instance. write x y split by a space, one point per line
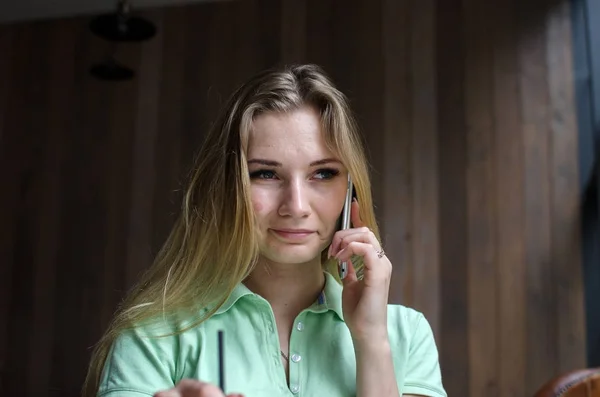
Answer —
380 253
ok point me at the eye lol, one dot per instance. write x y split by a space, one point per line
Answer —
326 173
262 174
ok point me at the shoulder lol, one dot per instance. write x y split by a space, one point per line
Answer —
415 351
145 358
410 332
405 320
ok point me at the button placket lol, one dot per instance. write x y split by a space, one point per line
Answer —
297 345
272 339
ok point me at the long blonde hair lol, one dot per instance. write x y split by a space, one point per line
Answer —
212 246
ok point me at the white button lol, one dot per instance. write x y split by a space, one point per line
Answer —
295 389
296 358
300 326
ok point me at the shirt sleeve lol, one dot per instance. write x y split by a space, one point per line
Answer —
139 365
423 376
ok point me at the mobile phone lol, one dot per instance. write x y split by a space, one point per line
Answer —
345 221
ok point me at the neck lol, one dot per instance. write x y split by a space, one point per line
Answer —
288 288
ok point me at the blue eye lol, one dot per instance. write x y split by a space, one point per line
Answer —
326 173
262 174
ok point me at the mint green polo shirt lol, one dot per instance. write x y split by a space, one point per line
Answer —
322 359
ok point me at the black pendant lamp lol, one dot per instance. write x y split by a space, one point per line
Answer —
111 70
119 27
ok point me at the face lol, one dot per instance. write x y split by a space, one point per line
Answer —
298 186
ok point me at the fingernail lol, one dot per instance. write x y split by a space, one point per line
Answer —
329 252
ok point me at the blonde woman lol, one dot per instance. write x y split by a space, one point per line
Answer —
255 253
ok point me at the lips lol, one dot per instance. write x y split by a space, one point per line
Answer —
293 234
299 231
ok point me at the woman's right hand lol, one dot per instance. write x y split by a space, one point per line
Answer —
194 388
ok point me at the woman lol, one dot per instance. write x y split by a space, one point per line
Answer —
255 253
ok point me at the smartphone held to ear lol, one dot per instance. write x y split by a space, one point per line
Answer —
345 224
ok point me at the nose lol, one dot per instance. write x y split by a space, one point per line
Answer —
295 200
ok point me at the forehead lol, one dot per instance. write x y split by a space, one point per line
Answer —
293 135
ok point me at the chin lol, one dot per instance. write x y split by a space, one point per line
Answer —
292 255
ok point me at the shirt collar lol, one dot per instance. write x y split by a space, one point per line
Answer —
330 297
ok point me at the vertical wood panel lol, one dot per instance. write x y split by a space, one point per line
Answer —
424 165
139 252
565 193
10 166
6 47
219 79
396 155
83 230
170 130
213 40
293 31
510 205
57 96
117 174
452 198
541 304
319 29
31 62
481 201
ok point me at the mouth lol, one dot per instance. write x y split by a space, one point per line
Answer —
293 234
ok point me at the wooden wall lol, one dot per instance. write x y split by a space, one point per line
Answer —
467 107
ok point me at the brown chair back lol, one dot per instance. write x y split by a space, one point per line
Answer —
579 383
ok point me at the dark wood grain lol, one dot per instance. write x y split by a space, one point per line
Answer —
452 197
540 272
510 252
293 31
139 250
481 201
565 193
424 163
23 148
394 161
10 162
58 95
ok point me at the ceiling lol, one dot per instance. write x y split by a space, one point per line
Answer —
20 10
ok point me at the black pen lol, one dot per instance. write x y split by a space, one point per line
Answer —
221 363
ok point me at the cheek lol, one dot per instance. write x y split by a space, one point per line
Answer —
330 214
260 202
258 207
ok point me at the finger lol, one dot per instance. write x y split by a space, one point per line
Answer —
168 393
194 388
359 248
338 237
365 250
355 214
363 235
210 390
376 268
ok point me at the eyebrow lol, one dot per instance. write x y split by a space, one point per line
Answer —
272 163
